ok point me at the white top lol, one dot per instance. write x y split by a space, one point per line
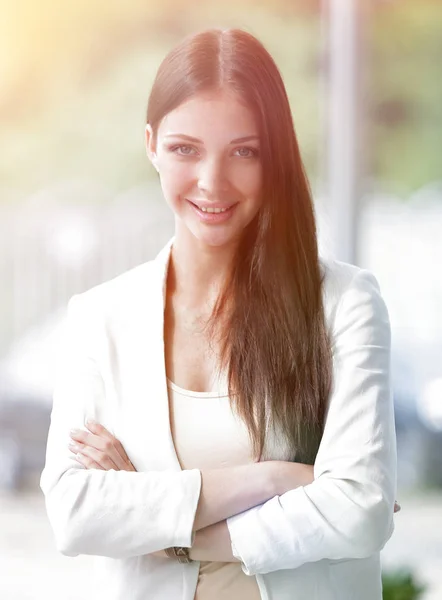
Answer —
208 435
321 541
206 432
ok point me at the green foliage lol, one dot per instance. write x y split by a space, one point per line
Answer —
406 93
401 585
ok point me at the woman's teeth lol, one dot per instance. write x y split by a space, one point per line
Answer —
213 210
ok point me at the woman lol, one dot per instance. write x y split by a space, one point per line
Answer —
245 380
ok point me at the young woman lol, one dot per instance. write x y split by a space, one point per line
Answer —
244 379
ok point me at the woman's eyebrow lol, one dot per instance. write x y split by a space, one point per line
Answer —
190 138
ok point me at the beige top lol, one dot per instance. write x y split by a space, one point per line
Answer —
208 435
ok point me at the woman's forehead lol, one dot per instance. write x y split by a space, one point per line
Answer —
209 113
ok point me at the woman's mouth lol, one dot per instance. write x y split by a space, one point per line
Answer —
214 214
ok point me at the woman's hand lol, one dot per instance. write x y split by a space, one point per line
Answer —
290 475
99 449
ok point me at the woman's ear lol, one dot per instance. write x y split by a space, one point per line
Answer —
150 146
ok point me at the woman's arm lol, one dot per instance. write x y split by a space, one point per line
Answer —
214 543
229 491
211 543
347 512
98 449
108 513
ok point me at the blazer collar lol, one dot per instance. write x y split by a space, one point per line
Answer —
162 266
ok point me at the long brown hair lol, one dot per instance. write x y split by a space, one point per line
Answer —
275 347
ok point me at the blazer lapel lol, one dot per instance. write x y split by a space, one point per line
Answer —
144 424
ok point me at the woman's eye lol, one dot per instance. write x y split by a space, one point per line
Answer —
183 150
247 152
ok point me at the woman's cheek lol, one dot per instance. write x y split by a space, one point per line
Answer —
170 174
248 180
178 177
176 186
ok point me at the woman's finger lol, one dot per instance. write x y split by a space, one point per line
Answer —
99 429
87 462
94 455
98 457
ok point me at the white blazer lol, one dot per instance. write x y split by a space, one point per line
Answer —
318 542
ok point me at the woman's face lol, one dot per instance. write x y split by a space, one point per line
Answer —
207 156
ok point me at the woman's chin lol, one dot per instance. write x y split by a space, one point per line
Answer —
215 239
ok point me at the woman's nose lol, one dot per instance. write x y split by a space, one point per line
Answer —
212 178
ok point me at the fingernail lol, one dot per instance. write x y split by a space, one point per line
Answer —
74 431
91 422
74 447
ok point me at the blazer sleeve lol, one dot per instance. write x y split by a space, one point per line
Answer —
347 512
109 513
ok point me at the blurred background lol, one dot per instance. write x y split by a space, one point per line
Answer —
80 204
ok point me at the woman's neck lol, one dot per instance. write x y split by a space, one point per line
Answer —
197 273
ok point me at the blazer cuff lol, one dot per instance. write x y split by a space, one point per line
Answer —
185 535
245 547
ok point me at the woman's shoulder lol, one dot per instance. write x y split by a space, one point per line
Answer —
344 280
336 275
133 287
121 291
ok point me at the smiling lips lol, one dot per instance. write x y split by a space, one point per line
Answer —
211 213
211 208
